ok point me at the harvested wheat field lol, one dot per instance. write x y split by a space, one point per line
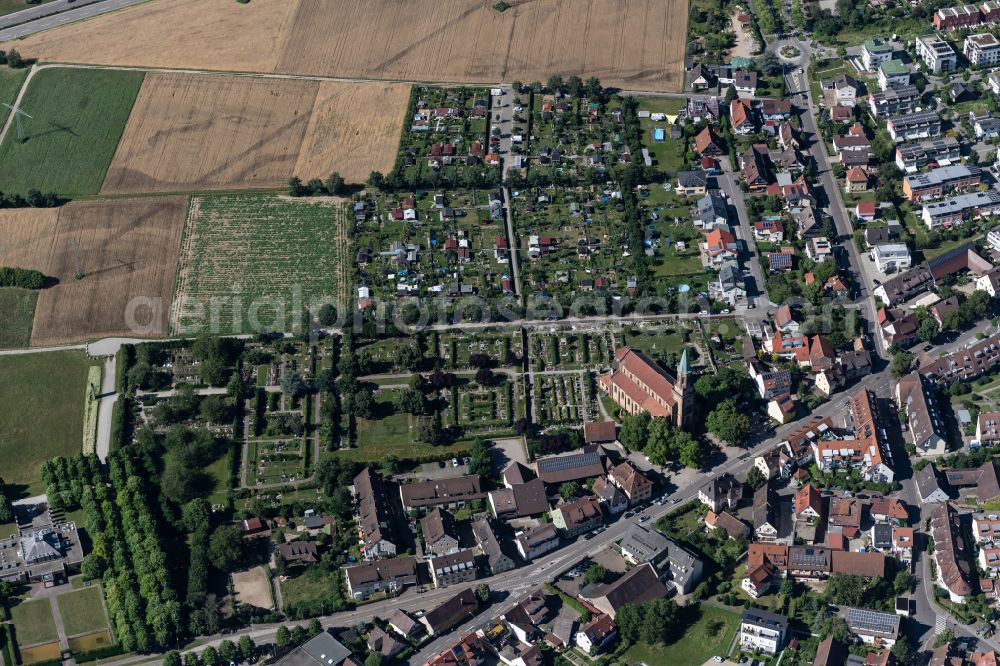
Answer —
354 129
211 132
126 249
635 44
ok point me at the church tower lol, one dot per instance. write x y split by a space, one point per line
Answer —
684 394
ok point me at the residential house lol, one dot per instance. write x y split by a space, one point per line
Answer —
937 152
763 631
875 51
928 489
722 492
891 257
458 567
778 110
856 180
819 249
612 498
456 492
873 627
902 544
691 183
756 166
707 142
845 513
497 560
669 559
950 553
537 541
632 482
941 181
888 510
450 614
893 101
711 212
728 523
765 514
596 634
769 231
745 83
782 408
374 519
953 18
389 576
440 533
917 397
988 428
578 516
914 126
741 117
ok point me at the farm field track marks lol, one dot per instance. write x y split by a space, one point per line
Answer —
635 44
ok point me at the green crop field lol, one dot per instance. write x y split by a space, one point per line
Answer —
17 311
41 415
77 119
33 622
82 611
10 82
261 257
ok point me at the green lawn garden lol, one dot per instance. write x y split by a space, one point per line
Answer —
41 416
82 611
709 634
78 116
34 623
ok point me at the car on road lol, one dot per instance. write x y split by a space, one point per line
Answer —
643 518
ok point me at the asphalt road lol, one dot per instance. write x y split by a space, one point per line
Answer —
55 14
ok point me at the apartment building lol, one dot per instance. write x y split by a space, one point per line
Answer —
893 74
988 428
982 50
914 126
966 363
941 181
874 52
963 207
893 101
936 53
537 541
937 152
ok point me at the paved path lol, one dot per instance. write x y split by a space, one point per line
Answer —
60 629
106 407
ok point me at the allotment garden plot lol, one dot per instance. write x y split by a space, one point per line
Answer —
256 260
414 246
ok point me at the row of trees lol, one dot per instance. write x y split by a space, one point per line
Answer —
334 185
126 548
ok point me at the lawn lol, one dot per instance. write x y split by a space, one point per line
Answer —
82 611
77 119
41 416
10 82
707 635
262 258
17 311
313 588
34 623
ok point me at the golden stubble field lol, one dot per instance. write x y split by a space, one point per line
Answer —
125 248
208 131
634 44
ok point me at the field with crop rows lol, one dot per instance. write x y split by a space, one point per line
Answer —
251 262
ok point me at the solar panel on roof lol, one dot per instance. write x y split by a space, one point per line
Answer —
872 621
568 462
